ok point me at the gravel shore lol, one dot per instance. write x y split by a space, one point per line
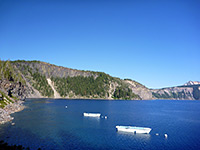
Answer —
9 109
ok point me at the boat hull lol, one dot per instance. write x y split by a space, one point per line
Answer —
133 129
91 114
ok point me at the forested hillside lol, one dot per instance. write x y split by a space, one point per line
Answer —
28 79
71 83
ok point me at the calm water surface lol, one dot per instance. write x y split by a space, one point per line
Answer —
47 124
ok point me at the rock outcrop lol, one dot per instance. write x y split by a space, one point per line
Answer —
56 94
139 89
50 70
9 109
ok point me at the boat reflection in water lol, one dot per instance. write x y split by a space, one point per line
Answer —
131 136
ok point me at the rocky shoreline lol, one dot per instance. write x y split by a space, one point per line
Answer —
9 109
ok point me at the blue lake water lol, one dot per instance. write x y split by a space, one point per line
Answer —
47 124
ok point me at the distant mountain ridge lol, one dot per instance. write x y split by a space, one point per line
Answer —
36 79
188 91
192 83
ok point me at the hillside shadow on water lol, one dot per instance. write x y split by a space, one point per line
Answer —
5 146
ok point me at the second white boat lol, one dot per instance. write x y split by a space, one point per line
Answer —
91 114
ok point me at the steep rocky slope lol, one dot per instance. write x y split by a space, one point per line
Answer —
12 83
139 89
12 89
71 83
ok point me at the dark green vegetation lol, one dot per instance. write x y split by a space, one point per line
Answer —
91 87
4 99
8 72
124 93
5 146
40 83
83 86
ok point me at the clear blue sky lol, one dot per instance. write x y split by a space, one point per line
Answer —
155 42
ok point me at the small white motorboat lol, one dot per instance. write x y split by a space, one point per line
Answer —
133 129
91 114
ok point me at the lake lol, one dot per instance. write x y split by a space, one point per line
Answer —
49 125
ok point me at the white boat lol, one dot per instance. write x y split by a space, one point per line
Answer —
91 114
133 129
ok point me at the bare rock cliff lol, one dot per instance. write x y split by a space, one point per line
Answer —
185 92
139 89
